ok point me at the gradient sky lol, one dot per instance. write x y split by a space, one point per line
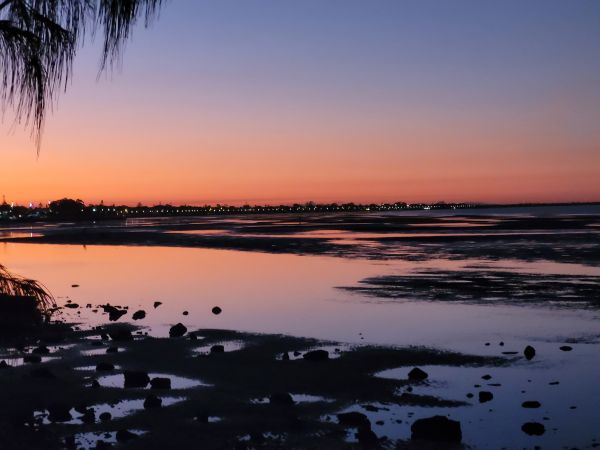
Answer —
338 100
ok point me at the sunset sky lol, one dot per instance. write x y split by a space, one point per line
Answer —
340 100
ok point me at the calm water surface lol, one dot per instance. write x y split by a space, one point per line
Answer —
279 293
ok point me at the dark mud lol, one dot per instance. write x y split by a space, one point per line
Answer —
227 385
482 286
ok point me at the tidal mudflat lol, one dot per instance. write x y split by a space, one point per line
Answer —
459 297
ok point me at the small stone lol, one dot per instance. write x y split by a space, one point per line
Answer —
217 348
282 399
437 429
160 383
139 315
417 374
157 304
136 379
216 310
152 401
316 355
566 348
177 330
529 352
105 417
531 404
485 396
125 435
185 313
533 428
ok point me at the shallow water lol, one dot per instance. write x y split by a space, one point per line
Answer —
299 295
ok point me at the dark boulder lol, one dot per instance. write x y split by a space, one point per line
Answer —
417 374
121 335
354 419
281 398
125 436
485 396
185 313
114 313
529 352
438 429
177 330
285 356
41 350
366 437
533 428
531 404
105 416
157 304
217 348
32 358
216 310
160 383
4 365
486 377
88 417
152 401
566 348
136 379
316 355
139 315
59 413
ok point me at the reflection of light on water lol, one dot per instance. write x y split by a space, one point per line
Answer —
117 410
118 381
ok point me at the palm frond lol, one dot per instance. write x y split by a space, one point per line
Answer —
40 38
15 285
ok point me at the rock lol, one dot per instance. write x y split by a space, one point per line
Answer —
354 419
177 330
566 348
437 428
531 404
114 313
185 313
281 399
157 304
160 383
112 350
59 413
285 356
104 367
72 305
485 396
533 428
216 310
41 350
4 365
316 355
366 436
95 384
529 352
105 417
136 379
88 417
139 315
121 334
74 285
486 377
152 401
417 374
31 358
217 348
469 395
192 337
125 435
